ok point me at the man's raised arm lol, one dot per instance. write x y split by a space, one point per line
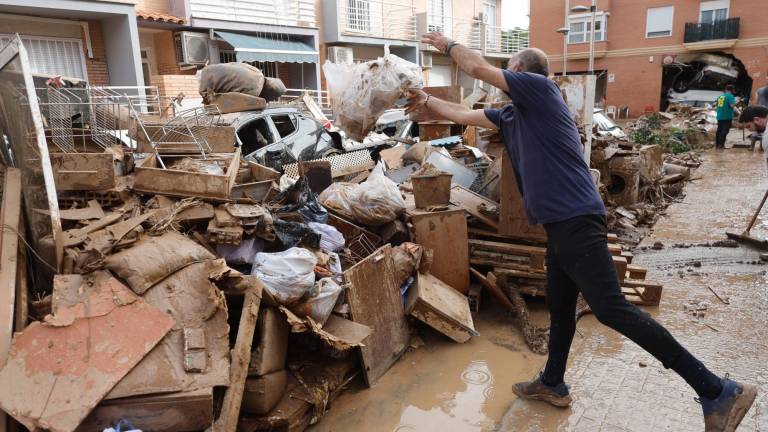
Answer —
456 113
468 60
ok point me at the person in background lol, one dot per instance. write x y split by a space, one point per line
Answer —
543 144
755 118
762 94
724 106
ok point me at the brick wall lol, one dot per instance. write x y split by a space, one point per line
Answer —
165 54
159 6
172 85
98 74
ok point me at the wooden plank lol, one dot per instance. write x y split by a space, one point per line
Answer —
513 220
83 171
613 238
441 307
445 232
614 249
470 201
510 248
374 300
620 263
636 272
493 289
241 357
10 218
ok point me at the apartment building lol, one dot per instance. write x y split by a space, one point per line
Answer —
359 30
88 40
648 53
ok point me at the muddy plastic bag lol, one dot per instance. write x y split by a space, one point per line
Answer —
319 302
330 238
336 197
231 77
361 92
293 234
273 88
287 276
304 201
377 200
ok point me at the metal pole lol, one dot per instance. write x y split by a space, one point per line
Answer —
565 41
592 9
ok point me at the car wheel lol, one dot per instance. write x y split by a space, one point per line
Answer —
331 152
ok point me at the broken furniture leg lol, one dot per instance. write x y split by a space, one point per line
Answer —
537 338
241 358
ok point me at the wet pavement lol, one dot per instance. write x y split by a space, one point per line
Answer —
443 386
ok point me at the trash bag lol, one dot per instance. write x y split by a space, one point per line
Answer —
330 238
240 254
377 200
230 77
319 301
361 92
304 202
293 234
287 276
336 197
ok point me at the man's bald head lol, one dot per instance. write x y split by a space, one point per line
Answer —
531 60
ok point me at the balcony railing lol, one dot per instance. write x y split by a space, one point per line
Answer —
720 29
380 19
464 31
505 41
298 13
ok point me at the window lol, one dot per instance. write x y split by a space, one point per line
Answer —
713 10
255 135
581 26
489 16
439 16
659 21
54 56
285 125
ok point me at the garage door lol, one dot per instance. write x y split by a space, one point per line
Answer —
440 75
53 56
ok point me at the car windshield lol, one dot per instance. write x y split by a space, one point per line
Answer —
603 122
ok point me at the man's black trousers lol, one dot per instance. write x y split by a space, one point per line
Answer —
723 127
578 260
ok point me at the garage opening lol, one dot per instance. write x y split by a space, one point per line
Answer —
697 79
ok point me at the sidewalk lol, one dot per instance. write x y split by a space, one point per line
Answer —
619 387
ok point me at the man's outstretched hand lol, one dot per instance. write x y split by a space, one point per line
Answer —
416 99
436 39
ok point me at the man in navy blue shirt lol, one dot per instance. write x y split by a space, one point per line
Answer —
554 180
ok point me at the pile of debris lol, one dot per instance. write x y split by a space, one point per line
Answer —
680 129
186 288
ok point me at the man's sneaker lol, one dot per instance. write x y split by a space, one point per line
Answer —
725 413
537 390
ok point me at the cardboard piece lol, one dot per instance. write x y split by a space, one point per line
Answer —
58 370
272 349
472 202
441 307
263 393
338 333
93 211
83 171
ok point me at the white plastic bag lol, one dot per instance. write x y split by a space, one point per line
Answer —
336 198
320 302
361 92
377 200
286 275
244 253
330 238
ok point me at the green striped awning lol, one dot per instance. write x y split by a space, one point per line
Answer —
265 48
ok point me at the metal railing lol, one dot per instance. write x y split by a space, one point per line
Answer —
505 41
299 13
720 29
467 32
321 96
380 19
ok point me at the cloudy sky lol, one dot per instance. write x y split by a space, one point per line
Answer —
514 13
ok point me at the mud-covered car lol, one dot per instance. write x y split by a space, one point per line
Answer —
278 136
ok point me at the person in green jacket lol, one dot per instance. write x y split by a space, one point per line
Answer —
724 106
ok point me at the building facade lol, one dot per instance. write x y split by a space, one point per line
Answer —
649 53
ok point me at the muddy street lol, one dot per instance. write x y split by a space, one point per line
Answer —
616 386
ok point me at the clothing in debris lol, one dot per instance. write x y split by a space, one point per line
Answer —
578 260
546 152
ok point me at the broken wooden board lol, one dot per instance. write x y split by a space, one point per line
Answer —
49 383
257 191
472 203
445 232
441 307
152 178
337 333
507 255
10 218
374 300
513 220
179 412
241 356
93 211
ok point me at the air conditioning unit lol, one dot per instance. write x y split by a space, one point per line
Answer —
426 60
340 55
191 48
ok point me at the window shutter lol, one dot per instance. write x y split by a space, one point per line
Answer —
659 21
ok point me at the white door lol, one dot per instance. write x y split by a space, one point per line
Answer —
440 75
